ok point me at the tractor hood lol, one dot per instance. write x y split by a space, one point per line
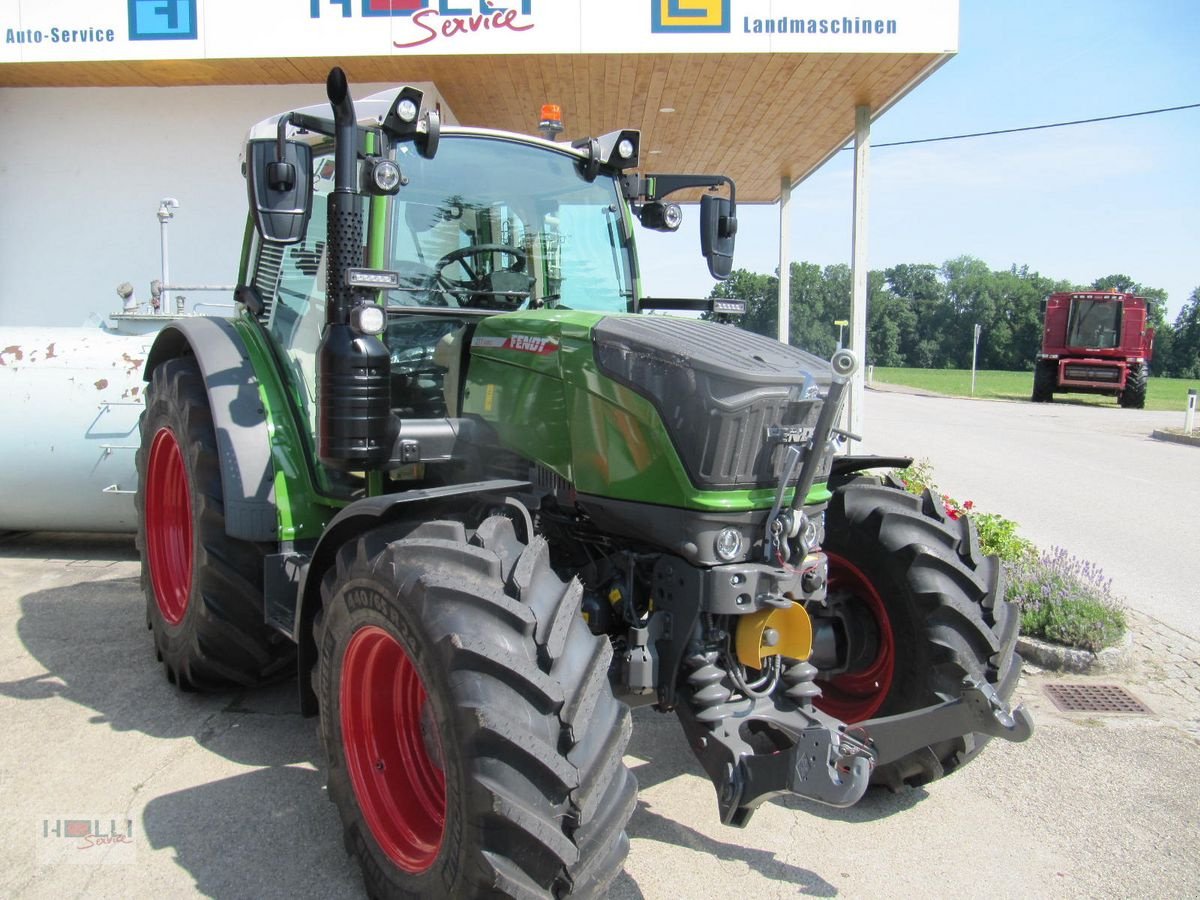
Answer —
657 409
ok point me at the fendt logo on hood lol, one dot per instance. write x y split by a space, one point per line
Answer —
523 343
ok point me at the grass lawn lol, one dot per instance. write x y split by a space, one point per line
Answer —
1161 393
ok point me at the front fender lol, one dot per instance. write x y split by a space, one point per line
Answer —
354 520
243 442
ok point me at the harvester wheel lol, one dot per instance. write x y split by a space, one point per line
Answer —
203 589
474 743
1044 374
1134 395
932 607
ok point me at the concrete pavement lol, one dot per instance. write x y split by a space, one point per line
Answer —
1087 478
225 799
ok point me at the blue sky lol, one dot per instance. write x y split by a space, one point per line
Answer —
1074 203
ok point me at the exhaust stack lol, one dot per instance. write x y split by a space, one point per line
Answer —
354 394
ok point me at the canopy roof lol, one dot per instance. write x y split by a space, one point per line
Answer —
756 117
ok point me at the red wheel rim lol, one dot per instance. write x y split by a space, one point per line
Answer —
856 696
168 527
393 753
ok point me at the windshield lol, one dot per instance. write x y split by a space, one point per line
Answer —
491 224
1094 323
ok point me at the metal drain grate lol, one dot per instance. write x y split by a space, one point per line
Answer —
1102 698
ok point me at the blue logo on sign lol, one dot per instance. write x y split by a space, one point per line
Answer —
689 16
162 20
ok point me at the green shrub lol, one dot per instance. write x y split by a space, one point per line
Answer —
998 535
1065 600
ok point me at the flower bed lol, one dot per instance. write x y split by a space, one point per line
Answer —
1063 599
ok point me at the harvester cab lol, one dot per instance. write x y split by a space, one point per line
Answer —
442 468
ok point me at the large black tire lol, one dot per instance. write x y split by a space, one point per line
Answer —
204 599
1045 371
515 740
1134 395
935 605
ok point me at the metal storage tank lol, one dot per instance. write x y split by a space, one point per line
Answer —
69 405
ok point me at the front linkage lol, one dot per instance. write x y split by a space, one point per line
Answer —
762 740
830 762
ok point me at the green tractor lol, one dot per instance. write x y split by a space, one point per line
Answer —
442 468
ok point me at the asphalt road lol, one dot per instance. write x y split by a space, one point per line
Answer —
1088 479
224 796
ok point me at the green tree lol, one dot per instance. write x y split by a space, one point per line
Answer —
921 304
1186 349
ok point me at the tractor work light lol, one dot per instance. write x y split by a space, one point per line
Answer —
619 149
406 110
373 279
404 122
368 318
382 177
729 307
661 216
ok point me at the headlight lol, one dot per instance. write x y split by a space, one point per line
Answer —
368 319
728 544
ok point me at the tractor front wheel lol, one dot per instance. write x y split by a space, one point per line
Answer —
1134 395
1045 372
203 588
926 609
473 741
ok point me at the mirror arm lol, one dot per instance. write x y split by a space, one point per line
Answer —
655 187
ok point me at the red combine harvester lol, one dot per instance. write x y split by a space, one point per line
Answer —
1094 342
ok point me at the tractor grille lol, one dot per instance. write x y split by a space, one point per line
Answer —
730 400
1077 372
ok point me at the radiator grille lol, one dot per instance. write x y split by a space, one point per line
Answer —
1076 372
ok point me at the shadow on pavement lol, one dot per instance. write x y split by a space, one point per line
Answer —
81 547
269 832
92 640
649 825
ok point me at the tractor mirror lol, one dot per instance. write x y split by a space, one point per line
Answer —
718 228
280 190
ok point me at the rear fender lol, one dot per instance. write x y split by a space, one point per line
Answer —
243 443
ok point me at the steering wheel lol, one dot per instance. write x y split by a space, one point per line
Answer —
508 287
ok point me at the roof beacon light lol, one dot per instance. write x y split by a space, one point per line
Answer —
551 124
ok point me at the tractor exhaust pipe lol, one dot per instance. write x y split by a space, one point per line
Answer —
844 364
354 417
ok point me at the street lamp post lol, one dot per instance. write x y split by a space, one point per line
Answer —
840 323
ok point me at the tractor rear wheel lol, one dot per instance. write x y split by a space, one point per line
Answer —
1045 371
929 606
203 589
1134 395
474 743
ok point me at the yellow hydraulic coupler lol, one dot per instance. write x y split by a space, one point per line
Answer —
774 632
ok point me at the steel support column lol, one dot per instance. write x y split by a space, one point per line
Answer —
783 313
858 265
